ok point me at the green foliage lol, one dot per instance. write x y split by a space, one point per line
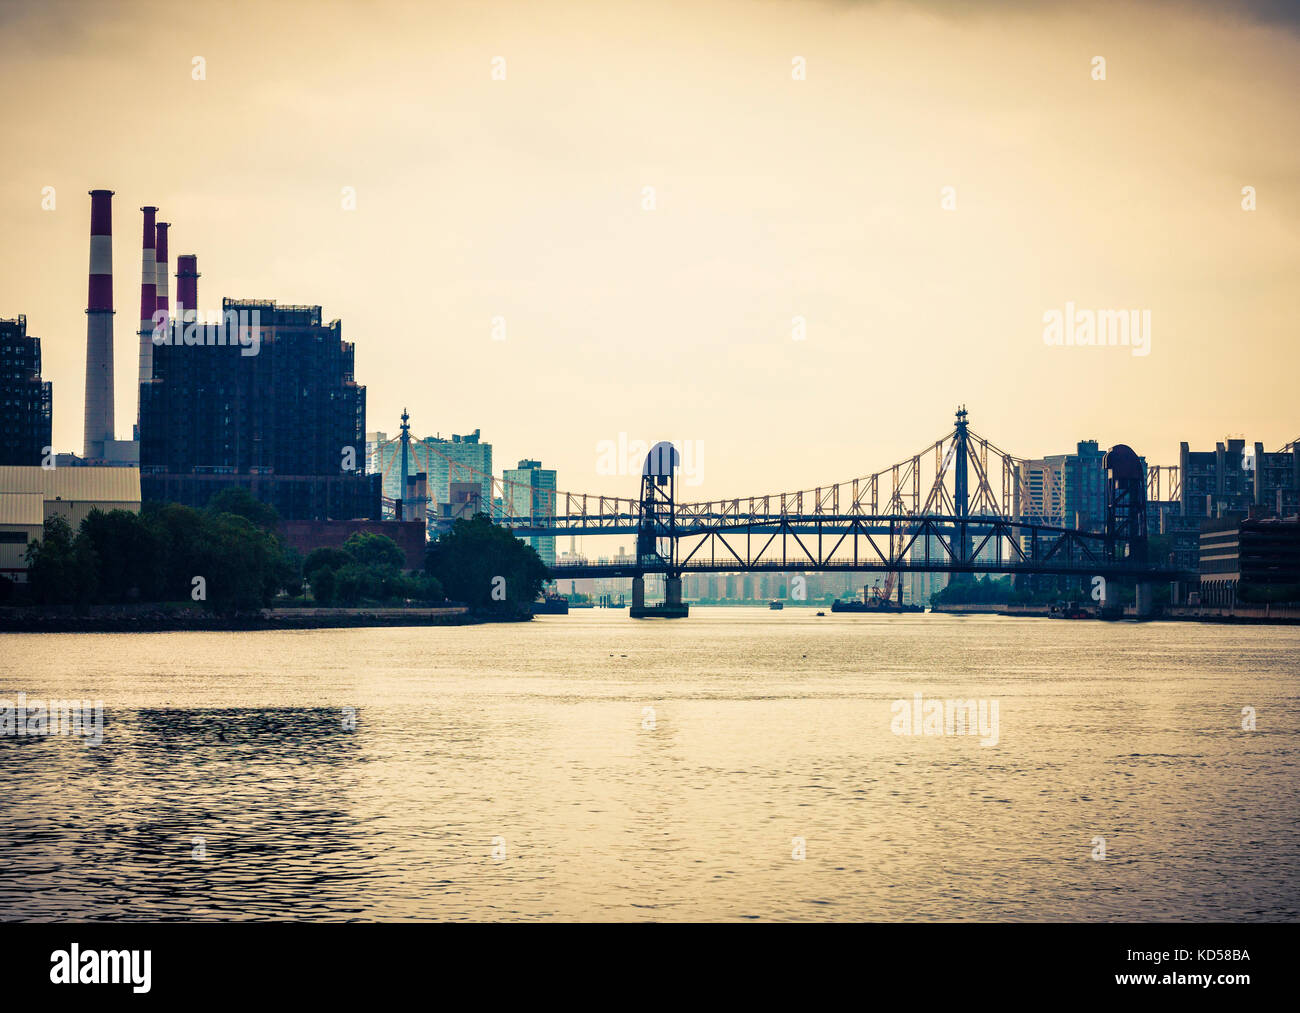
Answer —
369 549
62 568
327 557
237 500
963 590
242 565
468 559
126 551
119 556
367 569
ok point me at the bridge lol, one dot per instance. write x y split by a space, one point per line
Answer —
972 511
961 505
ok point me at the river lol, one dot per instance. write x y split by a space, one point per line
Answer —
737 765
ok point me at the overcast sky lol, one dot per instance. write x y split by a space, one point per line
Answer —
774 199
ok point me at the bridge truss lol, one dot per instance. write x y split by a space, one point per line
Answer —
961 505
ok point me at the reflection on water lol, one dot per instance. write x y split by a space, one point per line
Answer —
587 766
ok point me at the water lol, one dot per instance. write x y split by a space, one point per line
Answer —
533 739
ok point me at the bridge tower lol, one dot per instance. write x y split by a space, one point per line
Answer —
1126 515
961 490
1126 505
406 447
656 539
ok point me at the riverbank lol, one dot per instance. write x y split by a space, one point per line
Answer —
1243 614
163 619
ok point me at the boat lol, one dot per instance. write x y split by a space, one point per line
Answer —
1069 610
821 613
551 605
776 606
876 606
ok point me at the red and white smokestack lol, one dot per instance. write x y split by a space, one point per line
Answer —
161 278
99 326
187 286
148 295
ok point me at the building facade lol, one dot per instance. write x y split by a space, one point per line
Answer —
531 492
30 496
458 460
26 401
1249 558
266 400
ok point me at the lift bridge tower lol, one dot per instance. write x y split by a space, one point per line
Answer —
656 539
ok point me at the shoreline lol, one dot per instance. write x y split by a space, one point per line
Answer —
110 619
1262 615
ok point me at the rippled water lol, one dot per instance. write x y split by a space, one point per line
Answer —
766 726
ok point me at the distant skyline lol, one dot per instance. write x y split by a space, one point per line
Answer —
482 203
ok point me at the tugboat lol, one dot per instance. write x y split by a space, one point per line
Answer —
551 605
776 606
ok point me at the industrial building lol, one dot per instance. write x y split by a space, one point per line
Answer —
1249 558
305 536
26 401
265 399
29 496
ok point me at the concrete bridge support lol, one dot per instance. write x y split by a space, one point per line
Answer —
1144 600
673 591
638 592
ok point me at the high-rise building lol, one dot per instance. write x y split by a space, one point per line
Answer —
530 490
1215 481
266 400
1085 487
1229 479
26 401
1277 480
1065 490
460 459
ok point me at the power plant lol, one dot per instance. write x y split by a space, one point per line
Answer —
99 431
161 307
148 298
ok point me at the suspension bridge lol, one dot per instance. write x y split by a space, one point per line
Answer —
961 505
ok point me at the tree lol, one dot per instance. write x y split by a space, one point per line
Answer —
126 550
235 499
62 568
179 531
486 567
327 557
369 549
241 565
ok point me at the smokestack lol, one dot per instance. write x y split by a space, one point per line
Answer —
187 286
162 277
99 326
148 296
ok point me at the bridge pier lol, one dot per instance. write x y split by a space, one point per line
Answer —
671 607
1143 600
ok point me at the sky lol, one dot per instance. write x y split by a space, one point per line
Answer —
860 215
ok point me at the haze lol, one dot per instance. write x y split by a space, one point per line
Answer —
775 198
